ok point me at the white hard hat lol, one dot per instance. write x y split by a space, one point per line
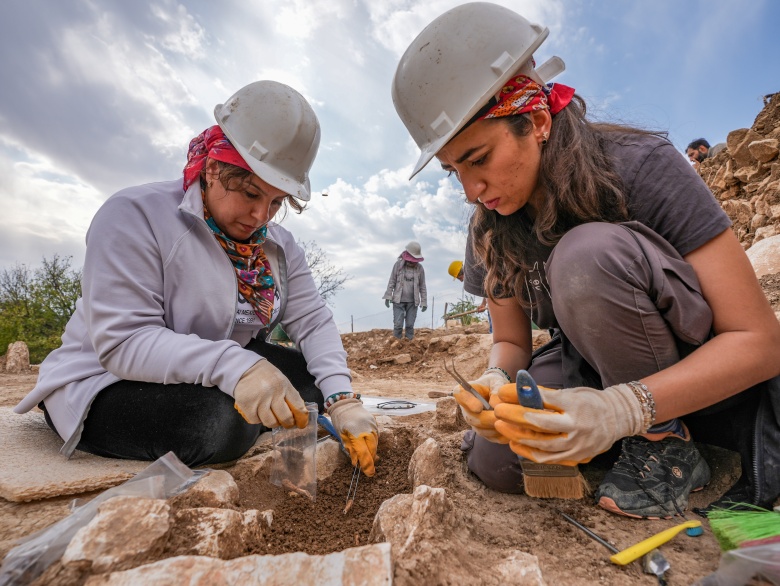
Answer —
414 249
275 131
456 64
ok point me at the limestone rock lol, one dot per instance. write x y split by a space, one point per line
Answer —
471 353
764 150
519 568
426 465
740 210
741 153
217 489
125 532
329 458
765 256
539 338
17 359
448 415
432 544
443 343
222 533
259 466
368 565
410 521
758 221
399 359
766 232
745 178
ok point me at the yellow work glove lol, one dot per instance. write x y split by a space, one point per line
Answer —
576 424
358 430
480 420
264 395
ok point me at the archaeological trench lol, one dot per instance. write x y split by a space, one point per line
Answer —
423 518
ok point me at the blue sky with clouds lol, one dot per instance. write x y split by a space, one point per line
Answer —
97 95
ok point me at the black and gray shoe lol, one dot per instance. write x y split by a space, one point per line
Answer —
652 479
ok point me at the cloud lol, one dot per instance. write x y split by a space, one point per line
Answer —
101 95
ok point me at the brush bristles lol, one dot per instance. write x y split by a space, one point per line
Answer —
732 527
557 486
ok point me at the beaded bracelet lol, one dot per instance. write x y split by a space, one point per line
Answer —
501 370
645 398
338 396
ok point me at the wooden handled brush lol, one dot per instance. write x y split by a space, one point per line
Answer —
546 480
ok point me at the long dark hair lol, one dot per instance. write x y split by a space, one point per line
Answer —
580 186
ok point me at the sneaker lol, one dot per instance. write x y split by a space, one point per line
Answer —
652 479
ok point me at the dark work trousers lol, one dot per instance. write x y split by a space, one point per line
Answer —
144 421
404 313
628 306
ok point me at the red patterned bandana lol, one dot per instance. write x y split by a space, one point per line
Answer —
211 143
521 94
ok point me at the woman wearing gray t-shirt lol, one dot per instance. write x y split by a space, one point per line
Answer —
604 234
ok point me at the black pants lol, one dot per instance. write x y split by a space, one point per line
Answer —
144 421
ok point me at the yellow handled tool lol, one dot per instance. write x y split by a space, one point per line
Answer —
635 552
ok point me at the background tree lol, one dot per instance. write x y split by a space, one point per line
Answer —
35 304
327 276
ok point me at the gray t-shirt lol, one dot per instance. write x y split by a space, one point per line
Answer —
408 275
664 193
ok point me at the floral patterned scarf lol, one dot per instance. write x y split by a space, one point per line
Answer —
253 271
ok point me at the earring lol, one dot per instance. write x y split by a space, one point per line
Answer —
209 184
544 139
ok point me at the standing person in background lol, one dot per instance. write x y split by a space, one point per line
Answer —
406 290
603 233
183 282
456 271
700 149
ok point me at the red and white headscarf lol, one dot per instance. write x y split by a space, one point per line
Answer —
211 143
521 94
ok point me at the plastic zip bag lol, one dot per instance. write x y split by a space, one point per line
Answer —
738 566
294 465
165 477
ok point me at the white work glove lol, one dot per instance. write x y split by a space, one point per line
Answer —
358 430
264 395
480 420
575 425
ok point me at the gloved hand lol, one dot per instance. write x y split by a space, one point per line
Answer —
387 303
264 395
483 422
358 430
423 308
576 425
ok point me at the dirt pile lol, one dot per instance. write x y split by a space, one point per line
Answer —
377 354
745 176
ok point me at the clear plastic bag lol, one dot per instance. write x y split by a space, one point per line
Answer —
163 478
294 457
738 566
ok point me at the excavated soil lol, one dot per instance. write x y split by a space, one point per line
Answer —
495 521
321 527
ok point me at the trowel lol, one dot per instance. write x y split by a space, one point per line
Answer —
655 563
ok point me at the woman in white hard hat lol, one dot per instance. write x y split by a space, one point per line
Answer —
606 235
406 290
183 281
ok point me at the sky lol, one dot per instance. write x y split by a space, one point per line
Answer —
98 95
